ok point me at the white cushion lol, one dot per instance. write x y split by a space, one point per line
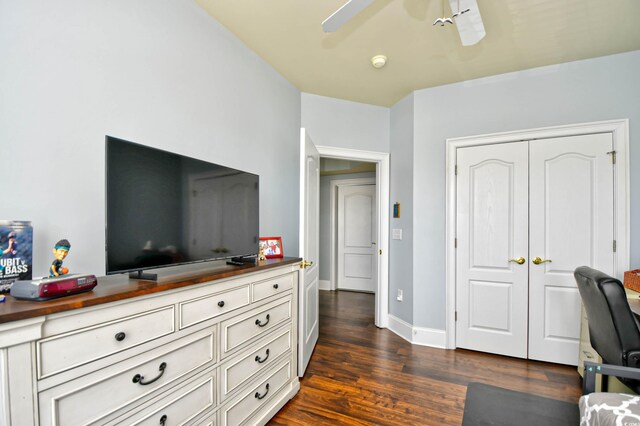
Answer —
604 408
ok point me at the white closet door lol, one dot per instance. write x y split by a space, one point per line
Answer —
571 224
492 229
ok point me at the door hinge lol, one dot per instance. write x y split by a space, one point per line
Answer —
455 243
455 170
380 252
615 246
613 156
456 315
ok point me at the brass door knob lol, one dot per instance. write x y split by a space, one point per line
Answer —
305 264
536 260
519 260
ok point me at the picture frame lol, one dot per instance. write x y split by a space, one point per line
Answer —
272 247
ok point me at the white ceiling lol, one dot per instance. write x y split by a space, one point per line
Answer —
521 34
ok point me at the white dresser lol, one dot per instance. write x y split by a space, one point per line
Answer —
218 352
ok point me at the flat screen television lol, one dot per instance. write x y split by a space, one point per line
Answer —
165 209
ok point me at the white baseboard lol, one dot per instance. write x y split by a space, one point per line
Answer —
418 335
429 337
401 328
324 285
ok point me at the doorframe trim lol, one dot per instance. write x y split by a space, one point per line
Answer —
382 188
333 223
620 133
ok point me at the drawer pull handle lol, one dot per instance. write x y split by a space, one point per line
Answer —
275 286
120 336
260 324
263 395
139 379
221 303
163 419
261 360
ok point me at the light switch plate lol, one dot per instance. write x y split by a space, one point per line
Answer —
396 234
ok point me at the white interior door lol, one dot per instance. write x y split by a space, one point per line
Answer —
357 238
492 224
308 317
571 224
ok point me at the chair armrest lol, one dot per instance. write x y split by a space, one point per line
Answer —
593 368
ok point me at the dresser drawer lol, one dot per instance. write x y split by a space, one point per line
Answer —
209 420
65 351
204 308
180 407
249 402
239 330
264 289
239 370
94 397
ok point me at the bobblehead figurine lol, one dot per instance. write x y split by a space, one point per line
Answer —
60 251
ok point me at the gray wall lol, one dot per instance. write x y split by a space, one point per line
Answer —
591 90
160 73
325 219
401 191
345 124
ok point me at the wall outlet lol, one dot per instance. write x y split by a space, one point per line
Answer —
399 296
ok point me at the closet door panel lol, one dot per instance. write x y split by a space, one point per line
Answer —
491 289
571 224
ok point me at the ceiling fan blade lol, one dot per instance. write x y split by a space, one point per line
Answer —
469 24
344 14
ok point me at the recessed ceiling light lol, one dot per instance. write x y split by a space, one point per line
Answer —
378 61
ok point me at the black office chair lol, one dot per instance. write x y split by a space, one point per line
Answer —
613 329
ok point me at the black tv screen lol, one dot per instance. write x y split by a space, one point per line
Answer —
165 209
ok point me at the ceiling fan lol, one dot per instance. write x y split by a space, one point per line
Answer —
465 14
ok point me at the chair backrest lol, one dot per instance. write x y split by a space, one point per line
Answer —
612 327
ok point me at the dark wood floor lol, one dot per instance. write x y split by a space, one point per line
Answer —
362 375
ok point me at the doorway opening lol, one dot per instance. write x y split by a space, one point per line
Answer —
348 232
358 181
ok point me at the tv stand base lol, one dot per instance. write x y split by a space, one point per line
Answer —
139 275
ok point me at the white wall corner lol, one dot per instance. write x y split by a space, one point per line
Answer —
400 327
324 285
418 335
429 337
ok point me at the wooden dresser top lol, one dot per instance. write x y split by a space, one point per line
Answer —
118 287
